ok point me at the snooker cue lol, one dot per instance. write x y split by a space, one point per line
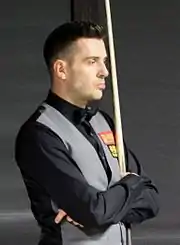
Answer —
116 102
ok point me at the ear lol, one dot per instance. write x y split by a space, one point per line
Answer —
59 69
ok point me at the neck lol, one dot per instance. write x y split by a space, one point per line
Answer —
75 101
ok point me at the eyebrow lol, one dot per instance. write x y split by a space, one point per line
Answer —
96 58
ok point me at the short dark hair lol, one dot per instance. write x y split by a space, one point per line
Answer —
64 35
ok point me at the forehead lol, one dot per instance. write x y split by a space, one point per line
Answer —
90 47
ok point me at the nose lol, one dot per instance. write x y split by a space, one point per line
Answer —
103 73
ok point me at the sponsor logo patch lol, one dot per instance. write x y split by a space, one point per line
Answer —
108 139
113 150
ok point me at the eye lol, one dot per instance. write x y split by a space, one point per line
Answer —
92 61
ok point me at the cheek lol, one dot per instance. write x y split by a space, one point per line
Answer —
84 80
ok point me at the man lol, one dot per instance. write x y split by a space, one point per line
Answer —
66 150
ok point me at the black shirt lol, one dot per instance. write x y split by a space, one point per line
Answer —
50 173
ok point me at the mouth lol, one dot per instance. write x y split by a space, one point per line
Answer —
101 86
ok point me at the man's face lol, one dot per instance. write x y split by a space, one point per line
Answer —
86 70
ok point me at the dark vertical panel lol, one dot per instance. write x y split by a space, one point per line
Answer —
93 10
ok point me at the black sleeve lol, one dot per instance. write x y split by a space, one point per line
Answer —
42 155
145 206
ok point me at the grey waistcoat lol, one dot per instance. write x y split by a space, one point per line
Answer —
87 159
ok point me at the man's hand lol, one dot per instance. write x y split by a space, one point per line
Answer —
63 214
123 174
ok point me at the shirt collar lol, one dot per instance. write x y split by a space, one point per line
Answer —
72 112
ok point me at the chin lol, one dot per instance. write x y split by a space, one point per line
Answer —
98 96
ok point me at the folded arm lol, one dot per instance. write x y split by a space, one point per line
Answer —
146 205
42 155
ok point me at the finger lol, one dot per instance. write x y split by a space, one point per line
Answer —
124 174
77 224
60 216
69 219
135 174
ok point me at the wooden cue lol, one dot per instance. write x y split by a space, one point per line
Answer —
116 102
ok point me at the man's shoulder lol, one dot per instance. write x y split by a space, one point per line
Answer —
31 128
